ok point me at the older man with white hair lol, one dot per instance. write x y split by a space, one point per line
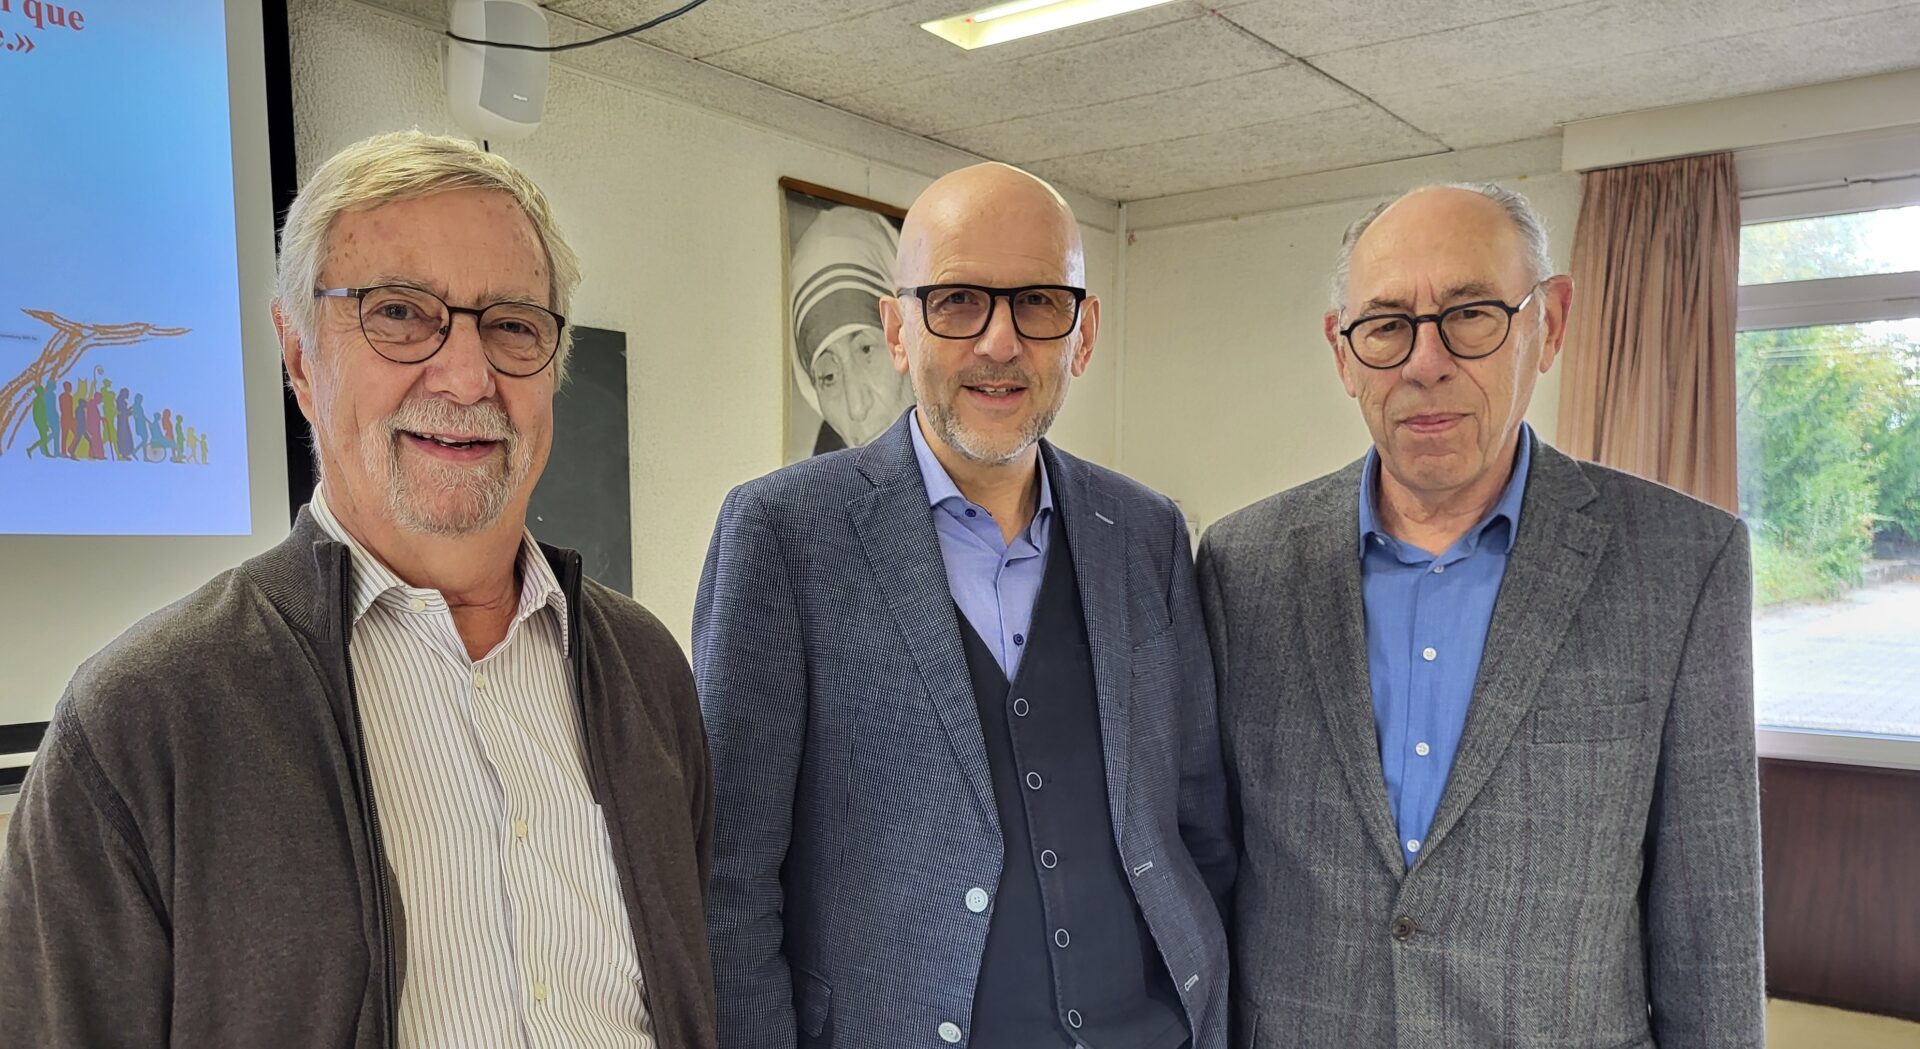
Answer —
407 779
1488 711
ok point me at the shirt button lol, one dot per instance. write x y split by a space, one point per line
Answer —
418 604
1437 569
520 829
1019 640
1033 781
1403 928
1429 655
539 991
972 513
1413 844
976 900
480 676
1421 749
949 1032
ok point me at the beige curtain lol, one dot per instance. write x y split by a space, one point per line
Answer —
1647 371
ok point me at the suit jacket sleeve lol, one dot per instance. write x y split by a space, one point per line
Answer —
87 959
1213 609
750 669
1703 942
1204 821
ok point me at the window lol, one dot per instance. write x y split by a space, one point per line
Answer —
1827 370
1825 246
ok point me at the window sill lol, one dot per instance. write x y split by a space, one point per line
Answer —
1839 748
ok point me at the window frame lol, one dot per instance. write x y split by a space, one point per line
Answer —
1832 300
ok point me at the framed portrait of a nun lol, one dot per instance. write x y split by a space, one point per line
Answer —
842 390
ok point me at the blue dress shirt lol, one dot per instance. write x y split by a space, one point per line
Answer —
994 582
1427 620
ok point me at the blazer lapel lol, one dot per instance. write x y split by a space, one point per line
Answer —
895 527
1329 572
1096 538
1553 562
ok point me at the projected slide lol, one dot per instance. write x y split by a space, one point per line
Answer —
121 403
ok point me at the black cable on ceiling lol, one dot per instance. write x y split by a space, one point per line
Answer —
577 44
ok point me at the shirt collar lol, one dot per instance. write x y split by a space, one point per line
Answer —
373 580
943 493
1506 510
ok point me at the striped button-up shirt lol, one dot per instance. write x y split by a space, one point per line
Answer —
517 934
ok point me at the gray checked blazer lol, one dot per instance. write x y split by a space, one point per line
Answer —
854 804
1591 878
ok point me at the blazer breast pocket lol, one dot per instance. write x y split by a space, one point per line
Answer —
1158 650
1590 724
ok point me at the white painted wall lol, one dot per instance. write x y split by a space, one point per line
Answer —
675 211
1230 392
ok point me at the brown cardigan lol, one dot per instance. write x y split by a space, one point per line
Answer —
196 860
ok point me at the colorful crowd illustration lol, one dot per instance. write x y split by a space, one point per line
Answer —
91 419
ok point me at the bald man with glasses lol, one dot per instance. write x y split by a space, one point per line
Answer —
958 695
1488 711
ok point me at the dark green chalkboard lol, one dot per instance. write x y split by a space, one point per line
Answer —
583 499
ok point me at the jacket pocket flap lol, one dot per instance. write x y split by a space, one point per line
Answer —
1577 724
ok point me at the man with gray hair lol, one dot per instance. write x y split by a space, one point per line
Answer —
1487 710
407 779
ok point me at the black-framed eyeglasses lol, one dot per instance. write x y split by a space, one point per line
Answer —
408 325
1469 331
963 311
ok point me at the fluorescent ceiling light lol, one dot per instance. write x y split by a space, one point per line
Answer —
1022 18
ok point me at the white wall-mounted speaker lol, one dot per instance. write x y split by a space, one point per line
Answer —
495 92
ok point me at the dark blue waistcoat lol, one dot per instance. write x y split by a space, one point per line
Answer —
1069 960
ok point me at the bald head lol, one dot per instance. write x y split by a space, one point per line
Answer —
1478 209
988 384
990 210
1446 312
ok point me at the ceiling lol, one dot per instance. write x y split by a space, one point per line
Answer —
1193 96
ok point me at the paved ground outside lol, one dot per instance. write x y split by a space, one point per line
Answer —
1849 666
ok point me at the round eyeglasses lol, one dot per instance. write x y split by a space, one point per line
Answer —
408 325
963 311
1469 331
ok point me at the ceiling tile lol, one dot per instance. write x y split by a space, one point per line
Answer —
1307 29
432 12
1600 31
1241 101
888 47
716 25
1517 106
1166 57
1357 134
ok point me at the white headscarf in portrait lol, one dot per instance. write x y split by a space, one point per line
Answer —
841 268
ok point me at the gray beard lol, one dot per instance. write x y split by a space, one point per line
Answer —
974 448
448 501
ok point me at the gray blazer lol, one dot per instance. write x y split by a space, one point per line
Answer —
855 805
1591 878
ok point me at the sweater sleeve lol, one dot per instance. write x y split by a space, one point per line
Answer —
86 961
